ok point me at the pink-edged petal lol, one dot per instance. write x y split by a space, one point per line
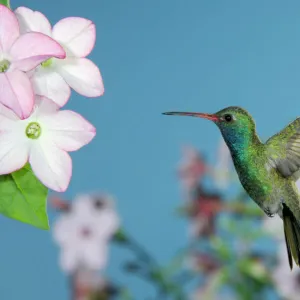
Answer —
44 107
16 93
77 35
68 130
82 75
13 150
7 118
30 20
51 165
32 48
9 28
51 85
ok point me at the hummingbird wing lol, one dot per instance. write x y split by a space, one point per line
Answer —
283 150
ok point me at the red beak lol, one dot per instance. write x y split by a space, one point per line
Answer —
191 114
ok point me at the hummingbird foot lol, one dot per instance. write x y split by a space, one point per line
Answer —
268 213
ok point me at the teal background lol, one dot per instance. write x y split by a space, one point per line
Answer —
158 56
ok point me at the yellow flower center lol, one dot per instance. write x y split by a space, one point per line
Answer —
33 130
47 63
4 65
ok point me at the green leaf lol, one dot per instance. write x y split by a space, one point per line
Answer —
23 197
5 2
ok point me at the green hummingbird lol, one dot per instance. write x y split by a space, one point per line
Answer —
267 171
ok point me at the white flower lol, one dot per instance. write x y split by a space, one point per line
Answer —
83 233
43 139
53 78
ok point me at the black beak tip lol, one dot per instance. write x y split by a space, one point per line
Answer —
167 113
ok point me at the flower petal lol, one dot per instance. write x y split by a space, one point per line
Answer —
69 259
50 164
44 106
9 28
17 93
77 35
82 206
65 231
69 130
50 84
13 151
82 75
94 255
32 48
7 118
30 20
108 223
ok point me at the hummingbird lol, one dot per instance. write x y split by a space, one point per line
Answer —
267 170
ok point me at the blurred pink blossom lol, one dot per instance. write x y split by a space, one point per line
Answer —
192 168
83 233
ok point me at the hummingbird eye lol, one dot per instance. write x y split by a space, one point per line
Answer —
228 118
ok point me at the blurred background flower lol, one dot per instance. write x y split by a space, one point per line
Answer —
84 231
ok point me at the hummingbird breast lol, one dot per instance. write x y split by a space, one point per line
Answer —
259 179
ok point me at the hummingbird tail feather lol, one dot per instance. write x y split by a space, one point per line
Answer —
292 235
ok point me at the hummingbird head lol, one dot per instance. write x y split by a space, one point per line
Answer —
235 123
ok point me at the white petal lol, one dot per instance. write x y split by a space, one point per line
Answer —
77 35
82 206
13 151
50 84
107 224
64 231
50 164
94 255
7 118
82 75
68 130
69 259
30 20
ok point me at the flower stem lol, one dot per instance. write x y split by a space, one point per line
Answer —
141 252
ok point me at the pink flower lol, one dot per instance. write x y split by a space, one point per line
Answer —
19 54
54 78
44 139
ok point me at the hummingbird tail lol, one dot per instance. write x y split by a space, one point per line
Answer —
292 235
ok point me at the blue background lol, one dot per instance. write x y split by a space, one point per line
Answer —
157 56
